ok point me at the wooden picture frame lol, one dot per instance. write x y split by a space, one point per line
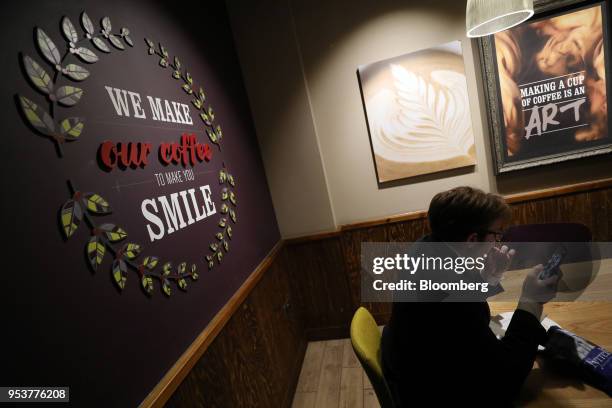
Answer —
560 146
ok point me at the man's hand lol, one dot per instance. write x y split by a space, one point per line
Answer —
498 261
540 290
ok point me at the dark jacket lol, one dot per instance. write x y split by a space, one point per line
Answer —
442 353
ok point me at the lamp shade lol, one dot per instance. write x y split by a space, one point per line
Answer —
485 17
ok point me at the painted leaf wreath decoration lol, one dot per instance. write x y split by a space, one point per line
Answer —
83 207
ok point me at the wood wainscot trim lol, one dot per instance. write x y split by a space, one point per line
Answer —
510 199
559 191
173 378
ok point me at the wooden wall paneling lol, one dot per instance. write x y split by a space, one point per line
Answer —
319 281
234 371
351 247
408 231
282 329
601 213
255 360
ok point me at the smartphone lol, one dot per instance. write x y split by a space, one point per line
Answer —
553 263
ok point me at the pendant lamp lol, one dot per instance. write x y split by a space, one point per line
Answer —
485 17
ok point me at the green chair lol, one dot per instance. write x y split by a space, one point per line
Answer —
365 338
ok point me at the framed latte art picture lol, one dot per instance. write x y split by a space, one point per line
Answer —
547 84
417 112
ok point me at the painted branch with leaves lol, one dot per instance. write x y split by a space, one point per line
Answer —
229 202
107 236
67 129
207 114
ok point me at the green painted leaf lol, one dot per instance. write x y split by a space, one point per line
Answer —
100 44
151 51
222 176
131 250
96 204
224 193
182 268
219 132
182 283
187 89
48 47
106 24
177 63
124 31
210 260
150 262
233 216
176 75
229 231
68 95
116 42
219 256
87 24
37 117
212 136
222 222
166 287
120 272
211 113
87 55
38 75
150 43
113 233
163 50
219 236
163 62
188 78
226 246
224 208
147 283
71 215
230 179
213 247
201 95
205 118
69 31
71 128
76 72
232 198
167 268
128 40
197 103
95 251
194 273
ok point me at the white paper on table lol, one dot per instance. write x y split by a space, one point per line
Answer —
499 324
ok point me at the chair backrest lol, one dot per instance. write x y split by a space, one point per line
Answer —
551 232
365 338
548 235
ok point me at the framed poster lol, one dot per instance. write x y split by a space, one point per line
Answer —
546 85
418 113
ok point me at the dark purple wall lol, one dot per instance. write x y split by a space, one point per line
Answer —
64 325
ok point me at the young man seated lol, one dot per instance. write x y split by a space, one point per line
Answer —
436 353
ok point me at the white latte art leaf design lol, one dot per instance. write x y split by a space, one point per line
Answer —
422 120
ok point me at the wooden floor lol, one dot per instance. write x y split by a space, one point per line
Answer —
332 377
